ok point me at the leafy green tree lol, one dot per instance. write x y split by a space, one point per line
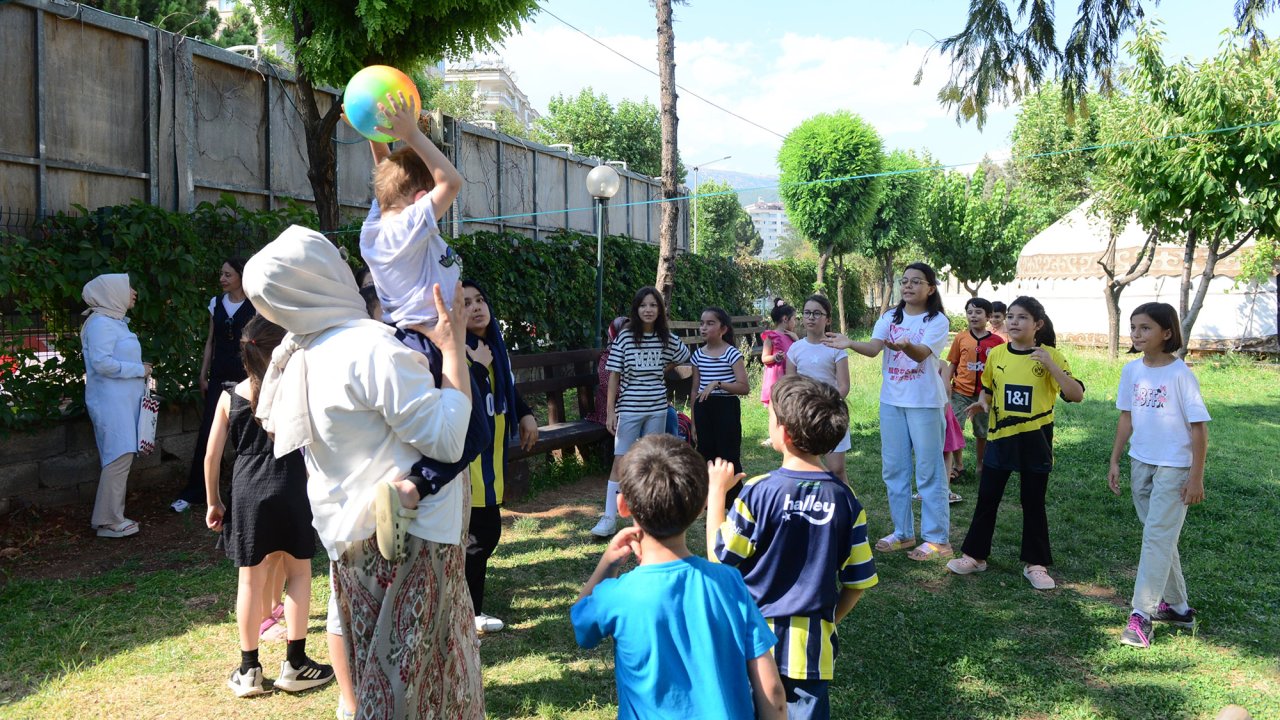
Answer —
1214 192
813 155
724 227
1001 56
1055 182
193 18
794 246
332 41
974 233
240 29
630 132
896 224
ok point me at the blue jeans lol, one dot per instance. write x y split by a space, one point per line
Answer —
807 699
903 430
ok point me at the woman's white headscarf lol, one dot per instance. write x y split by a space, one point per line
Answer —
299 282
108 295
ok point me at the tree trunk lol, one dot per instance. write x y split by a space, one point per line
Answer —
1184 290
844 325
823 258
1115 285
665 281
322 156
1193 307
886 282
973 291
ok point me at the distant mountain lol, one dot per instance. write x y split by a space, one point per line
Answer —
750 187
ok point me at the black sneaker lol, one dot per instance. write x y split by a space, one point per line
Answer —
1137 634
310 675
1168 615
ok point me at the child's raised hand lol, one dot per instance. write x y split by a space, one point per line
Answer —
401 114
1113 478
626 542
838 341
1042 356
450 329
721 476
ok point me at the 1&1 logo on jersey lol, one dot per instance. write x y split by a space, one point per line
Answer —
1017 398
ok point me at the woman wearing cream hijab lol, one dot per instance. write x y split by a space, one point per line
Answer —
115 379
365 408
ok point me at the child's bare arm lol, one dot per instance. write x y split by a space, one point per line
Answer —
848 598
402 114
449 336
1124 428
1193 491
720 478
213 462
623 544
380 150
766 687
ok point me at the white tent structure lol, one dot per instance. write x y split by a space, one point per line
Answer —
1060 268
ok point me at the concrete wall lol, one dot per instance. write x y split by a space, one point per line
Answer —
59 465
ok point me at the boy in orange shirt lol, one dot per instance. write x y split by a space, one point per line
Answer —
966 360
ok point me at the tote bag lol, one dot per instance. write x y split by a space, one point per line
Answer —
148 415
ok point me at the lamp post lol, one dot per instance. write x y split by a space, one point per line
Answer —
695 197
602 183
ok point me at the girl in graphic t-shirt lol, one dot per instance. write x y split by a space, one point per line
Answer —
637 396
808 356
1163 419
913 336
1021 383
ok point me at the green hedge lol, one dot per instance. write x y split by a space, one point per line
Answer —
544 290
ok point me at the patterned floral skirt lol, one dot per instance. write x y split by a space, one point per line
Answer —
410 631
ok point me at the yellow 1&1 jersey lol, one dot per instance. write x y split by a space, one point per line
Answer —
1023 393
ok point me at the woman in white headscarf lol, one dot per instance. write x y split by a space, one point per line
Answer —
366 409
114 380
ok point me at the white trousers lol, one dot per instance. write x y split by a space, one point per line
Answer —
108 507
1157 496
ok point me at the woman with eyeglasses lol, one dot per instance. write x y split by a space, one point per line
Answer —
912 336
228 315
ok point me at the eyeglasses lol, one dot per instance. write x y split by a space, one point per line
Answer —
912 282
811 314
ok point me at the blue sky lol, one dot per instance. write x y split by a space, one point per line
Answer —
778 67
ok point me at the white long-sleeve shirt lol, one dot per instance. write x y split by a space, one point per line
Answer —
374 412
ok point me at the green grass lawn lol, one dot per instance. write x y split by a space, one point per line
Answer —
922 644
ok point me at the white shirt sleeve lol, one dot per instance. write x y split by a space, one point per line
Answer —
1124 395
881 329
935 335
1192 403
213 303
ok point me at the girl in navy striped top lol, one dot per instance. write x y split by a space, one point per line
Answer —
720 376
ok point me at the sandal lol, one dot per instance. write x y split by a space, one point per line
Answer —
953 498
930 551
392 522
892 542
119 530
955 473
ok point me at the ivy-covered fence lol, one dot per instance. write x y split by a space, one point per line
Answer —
544 289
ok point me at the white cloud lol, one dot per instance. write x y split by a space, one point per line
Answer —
776 84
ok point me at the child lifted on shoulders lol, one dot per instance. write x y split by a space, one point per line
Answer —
688 639
401 243
798 535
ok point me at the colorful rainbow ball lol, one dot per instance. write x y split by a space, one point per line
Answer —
369 87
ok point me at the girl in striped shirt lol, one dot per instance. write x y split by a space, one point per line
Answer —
720 376
637 397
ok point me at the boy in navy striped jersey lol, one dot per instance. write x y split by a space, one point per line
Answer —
799 537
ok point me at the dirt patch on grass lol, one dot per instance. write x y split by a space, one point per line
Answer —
1097 592
58 543
583 497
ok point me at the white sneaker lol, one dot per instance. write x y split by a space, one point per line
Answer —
607 526
488 624
180 506
311 674
345 714
248 684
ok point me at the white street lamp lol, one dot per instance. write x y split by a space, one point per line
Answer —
695 197
602 183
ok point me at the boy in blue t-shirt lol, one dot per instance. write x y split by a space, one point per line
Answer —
688 640
799 537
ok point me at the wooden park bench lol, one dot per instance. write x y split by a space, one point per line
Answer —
744 326
551 375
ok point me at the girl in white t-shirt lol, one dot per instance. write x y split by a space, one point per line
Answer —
912 397
808 356
1163 419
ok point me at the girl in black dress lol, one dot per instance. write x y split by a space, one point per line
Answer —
270 515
